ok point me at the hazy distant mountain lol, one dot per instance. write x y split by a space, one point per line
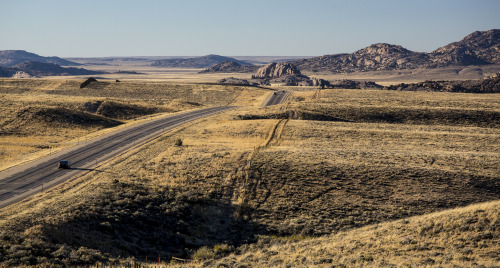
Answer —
33 68
230 67
9 58
478 48
196 62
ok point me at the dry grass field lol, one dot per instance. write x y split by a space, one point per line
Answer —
332 177
463 237
39 116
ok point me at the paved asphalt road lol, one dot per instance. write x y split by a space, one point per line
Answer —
20 182
276 98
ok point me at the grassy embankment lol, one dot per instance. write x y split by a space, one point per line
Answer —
362 158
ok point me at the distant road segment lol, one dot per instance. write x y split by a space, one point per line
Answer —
20 182
276 98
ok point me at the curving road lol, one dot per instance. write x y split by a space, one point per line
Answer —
22 181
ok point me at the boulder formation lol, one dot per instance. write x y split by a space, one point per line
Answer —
273 70
351 84
286 74
235 82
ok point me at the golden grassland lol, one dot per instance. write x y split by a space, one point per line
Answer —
32 121
318 181
463 237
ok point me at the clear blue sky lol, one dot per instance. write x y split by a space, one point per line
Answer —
95 28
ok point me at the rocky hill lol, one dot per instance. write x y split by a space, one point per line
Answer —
230 67
478 48
196 62
274 69
9 58
37 69
475 48
286 74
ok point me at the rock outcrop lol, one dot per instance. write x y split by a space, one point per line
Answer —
286 74
230 67
478 48
345 83
235 81
273 70
486 85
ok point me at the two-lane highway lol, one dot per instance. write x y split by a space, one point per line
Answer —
276 98
22 181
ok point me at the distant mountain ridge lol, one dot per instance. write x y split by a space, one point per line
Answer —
37 69
230 67
196 62
9 58
478 48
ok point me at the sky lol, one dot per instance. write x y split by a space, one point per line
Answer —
102 28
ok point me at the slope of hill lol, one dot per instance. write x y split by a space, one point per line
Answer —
475 48
478 48
9 58
196 62
463 237
38 69
230 67
51 69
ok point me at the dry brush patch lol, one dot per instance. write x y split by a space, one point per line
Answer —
463 237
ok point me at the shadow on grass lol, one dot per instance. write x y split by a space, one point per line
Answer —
137 223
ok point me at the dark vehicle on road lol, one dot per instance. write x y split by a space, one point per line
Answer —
63 164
